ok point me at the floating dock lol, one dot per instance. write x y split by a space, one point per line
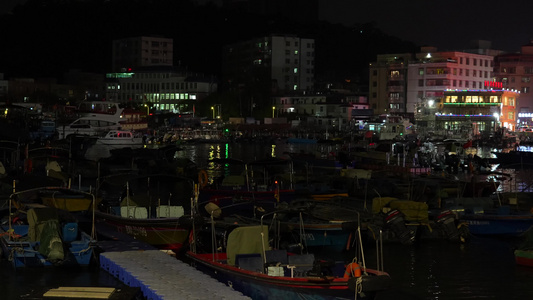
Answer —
159 275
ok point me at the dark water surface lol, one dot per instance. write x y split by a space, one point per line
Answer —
483 268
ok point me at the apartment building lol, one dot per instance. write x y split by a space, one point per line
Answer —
142 51
434 72
286 62
388 83
515 72
399 83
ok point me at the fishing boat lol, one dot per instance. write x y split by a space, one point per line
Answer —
120 139
66 199
304 223
267 179
35 235
502 222
260 272
150 208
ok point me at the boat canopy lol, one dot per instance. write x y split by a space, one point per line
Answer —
247 240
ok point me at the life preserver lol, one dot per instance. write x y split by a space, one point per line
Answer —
202 178
352 269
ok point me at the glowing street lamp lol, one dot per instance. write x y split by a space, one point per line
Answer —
213 110
273 110
147 109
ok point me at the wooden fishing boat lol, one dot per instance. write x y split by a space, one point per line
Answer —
67 199
36 235
263 180
258 271
150 208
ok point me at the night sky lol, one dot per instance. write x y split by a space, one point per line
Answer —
446 24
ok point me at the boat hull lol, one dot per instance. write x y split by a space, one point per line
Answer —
264 286
503 225
162 233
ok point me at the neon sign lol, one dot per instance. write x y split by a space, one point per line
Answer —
493 84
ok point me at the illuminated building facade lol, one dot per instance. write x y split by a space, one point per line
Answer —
160 89
515 72
477 111
434 72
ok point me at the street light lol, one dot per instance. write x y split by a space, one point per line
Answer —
273 110
213 110
147 109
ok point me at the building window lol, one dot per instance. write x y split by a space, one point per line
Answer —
525 89
421 82
526 79
287 43
421 72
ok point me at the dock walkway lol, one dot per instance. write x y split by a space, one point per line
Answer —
161 276
158 275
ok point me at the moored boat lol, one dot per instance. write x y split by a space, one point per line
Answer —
120 139
150 208
260 272
37 235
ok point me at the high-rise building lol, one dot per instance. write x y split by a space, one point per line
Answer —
143 51
287 62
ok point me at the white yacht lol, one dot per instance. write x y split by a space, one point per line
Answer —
120 138
94 124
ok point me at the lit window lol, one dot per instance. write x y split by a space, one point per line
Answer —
295 70
295 52
295 87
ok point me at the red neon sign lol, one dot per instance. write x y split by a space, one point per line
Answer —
493 84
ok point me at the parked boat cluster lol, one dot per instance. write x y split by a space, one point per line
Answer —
259 224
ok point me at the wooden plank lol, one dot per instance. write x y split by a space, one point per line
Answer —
86 289
81 292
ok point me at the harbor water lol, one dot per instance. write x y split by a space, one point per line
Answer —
482 268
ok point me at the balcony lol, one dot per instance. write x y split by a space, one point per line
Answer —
396 88
400 77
